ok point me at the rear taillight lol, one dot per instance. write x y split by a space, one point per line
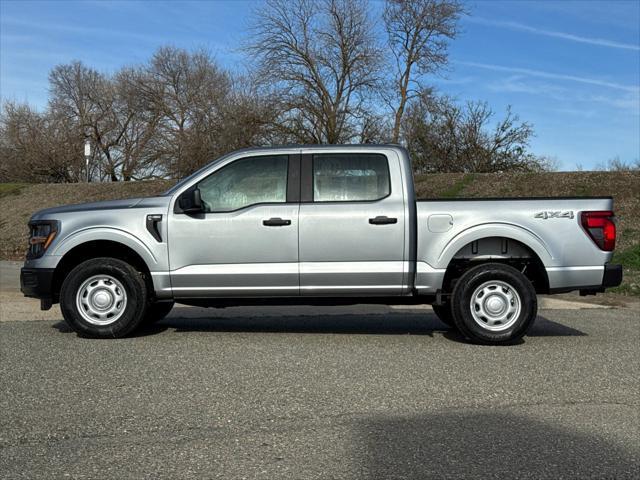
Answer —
601 228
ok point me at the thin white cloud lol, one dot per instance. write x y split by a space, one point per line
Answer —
452 81
77 29
602 42
551 75
577 112
628 102
523 84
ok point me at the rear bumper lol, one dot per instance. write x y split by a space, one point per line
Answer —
588 280
612 277
38 283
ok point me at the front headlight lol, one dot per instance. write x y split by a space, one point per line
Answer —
41 235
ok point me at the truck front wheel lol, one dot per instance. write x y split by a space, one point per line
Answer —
494 303
103 298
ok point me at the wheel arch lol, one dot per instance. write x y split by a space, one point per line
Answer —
503 230
528 257
96 249
111 234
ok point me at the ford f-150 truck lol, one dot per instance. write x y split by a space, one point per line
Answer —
317 224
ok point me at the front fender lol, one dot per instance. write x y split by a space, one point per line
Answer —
506 230
110 234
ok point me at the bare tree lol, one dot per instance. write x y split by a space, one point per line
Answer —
86 98
444 136
323 55
250 116
616 164
138 145
418 34
185 91
37 147
109 112
165 118
19 126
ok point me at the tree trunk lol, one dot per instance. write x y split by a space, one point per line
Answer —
404 88
395 138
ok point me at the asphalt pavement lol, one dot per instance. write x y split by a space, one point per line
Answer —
320 392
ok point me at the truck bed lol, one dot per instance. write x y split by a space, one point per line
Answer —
547 228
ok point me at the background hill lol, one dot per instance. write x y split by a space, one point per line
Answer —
19 201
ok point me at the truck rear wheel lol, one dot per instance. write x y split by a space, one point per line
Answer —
103 298
494 303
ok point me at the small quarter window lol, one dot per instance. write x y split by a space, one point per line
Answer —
245 182
350 177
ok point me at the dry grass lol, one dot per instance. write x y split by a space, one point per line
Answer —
10 188
18 202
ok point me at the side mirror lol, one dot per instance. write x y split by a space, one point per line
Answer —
190 201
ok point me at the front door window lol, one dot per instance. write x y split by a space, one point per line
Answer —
245 182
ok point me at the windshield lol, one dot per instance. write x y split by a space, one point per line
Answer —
187 179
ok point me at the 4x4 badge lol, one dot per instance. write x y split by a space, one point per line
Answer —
559 214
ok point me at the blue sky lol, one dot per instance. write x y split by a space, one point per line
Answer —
572 68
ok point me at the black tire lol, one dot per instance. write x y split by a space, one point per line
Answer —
157 311
117 276
443 312
495 286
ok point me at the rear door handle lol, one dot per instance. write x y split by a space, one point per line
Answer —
382 220
276 222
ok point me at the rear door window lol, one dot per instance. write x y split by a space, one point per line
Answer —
351 177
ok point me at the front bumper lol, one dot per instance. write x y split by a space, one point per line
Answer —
38 283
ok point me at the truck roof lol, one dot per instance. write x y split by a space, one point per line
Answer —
323 146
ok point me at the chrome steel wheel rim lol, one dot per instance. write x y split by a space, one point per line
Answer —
495 305
101 300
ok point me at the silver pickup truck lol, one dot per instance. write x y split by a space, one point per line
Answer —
317 225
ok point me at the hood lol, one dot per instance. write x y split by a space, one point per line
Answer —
148 202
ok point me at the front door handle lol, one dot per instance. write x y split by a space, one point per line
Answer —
276 222
382 220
